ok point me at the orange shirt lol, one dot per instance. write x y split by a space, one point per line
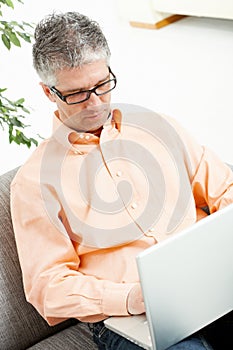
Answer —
84 206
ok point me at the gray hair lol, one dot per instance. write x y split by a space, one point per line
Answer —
67 40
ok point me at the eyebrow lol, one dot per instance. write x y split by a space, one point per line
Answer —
85 89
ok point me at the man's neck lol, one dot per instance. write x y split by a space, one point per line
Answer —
97 132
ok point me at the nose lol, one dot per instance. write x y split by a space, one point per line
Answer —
93 100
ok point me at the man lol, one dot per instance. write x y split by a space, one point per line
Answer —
109 183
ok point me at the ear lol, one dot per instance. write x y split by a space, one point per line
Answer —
48 93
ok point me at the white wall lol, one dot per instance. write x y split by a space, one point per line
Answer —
184 70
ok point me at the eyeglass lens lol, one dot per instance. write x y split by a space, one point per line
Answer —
98 90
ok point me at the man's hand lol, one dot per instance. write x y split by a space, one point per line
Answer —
135 303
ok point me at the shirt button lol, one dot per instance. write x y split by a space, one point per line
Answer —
151 229
119 173
134 205
87 137
81 136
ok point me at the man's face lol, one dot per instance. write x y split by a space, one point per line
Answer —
91 114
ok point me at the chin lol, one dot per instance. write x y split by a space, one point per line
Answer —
95 126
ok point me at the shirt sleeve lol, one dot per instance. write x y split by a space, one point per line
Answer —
50 264
213 182
211 179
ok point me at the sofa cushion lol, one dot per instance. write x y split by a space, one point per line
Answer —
77 337
20 324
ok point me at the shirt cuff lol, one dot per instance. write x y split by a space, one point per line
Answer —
114 300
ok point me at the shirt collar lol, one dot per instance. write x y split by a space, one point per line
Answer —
73 140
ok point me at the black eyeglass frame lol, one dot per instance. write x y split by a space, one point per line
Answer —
89 92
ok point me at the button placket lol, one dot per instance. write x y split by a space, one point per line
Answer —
119 173
134 205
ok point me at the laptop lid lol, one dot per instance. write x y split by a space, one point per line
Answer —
187 280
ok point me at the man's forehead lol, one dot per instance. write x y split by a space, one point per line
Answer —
82 77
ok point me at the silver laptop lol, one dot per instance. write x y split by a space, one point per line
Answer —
187 283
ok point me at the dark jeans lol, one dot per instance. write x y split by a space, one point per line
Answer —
220 332
108 340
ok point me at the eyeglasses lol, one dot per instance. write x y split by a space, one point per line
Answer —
84 95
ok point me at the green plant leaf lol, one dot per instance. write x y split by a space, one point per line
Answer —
16 122
6 41
25 36
9 3
25 109
13 38
19 102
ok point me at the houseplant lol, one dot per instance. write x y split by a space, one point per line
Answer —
14 112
